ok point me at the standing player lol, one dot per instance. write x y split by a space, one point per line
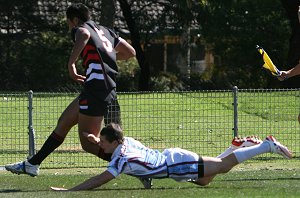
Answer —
99 48
292 72
131 157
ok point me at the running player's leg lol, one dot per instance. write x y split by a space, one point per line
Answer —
92 108
91 125
67 120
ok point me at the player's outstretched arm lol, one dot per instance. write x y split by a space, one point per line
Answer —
124 50
93 182
290 73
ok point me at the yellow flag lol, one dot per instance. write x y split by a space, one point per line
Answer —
268 64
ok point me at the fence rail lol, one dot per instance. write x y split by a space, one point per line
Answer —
201 121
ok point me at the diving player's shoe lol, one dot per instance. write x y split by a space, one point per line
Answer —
238 142
277 147
245 142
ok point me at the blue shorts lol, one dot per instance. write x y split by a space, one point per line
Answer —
182 164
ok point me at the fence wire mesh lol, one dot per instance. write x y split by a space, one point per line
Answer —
200 121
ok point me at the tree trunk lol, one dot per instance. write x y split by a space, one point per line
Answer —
136 43
291 7
108 10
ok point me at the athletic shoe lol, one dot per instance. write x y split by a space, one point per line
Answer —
278 148
238 142
147 182
23 168
248 141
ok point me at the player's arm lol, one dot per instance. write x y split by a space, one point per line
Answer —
93 182
290 73
81 38
124 50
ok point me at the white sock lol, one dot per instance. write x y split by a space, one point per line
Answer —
243 154
228 151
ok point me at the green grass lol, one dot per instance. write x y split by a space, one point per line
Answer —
279 178
198 121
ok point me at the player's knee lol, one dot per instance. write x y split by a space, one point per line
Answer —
203 181
87 148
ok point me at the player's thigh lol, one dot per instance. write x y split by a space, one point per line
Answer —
68 118
89 124
213 166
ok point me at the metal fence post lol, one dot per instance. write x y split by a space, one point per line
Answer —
235 111
31 132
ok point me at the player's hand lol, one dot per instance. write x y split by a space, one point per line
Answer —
73 74
78 78
299 14
58 189
283 76
92 138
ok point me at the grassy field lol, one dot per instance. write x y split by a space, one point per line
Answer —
199 121
279 178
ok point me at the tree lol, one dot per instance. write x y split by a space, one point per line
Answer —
233 28
136 43
293 57
108 11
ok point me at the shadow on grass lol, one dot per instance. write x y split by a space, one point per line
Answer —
99 189
260 179
10 191
159 188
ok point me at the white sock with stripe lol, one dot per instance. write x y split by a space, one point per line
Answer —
246 153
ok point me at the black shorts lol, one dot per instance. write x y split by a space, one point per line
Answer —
95 104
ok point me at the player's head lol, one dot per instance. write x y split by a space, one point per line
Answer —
77 13
110 137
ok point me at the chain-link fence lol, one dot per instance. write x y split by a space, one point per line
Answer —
202 121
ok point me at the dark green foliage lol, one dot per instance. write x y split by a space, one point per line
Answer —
234 28
166 82
38 63
35 45
127 79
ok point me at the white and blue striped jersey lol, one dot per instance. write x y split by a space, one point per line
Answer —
133 158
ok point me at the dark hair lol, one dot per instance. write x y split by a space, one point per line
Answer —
78 10
113 132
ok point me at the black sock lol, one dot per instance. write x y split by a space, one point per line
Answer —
48 147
